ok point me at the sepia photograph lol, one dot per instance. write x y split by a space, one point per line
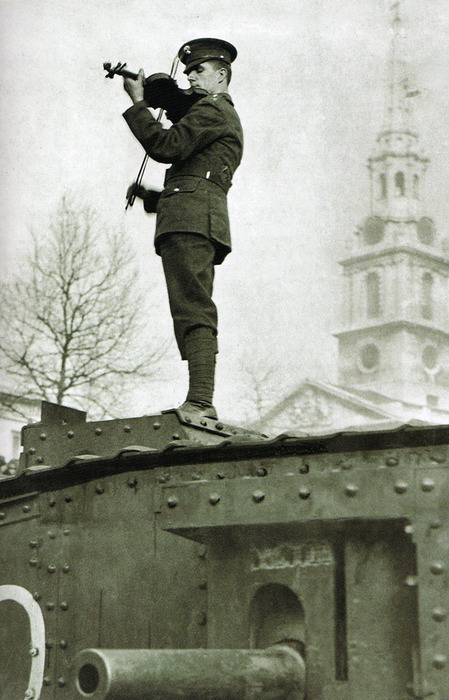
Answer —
224 350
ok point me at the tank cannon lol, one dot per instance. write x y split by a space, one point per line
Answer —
276 673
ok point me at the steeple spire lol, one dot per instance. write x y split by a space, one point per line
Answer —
398 103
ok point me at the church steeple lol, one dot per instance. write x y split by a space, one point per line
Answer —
397 167
396 328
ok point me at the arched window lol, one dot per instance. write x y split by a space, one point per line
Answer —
399 183
427 295
372 295
416 186
382 186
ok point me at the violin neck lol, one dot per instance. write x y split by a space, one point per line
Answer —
127 73
119 69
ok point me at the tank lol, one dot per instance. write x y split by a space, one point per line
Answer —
160 558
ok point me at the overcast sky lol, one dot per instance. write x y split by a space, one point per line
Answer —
309 84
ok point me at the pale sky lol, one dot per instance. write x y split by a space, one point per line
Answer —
309 85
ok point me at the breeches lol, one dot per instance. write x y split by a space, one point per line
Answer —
187 259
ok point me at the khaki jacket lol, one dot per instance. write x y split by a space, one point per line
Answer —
205 148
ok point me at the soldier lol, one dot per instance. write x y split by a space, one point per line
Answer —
192 226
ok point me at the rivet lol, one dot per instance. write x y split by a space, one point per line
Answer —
52 535
51 502
221 475
64 605
47 680
61 682
219 426
437 568
2 515
132 482
156 426
51 568
204 423
401 486
214 498
409 529
304 492
176 436
37 596
438 458
203 585
427 485
33 562
32 451
98 431
392 461
63 644
34 544
127 428
66 532
43 436
172 502
39 460
261 471
411 581
188 419
439 661
258 496
201 619
99 488
50 606
202 551
351 489
439 614
162 479
435 524
68 499
70 434
34 651
66 568
49 644
29 694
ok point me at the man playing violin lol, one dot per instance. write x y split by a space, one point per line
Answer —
192 234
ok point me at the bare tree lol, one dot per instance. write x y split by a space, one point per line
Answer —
261 386
71 322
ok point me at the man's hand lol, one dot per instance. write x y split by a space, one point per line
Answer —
150 197
139 191
135 88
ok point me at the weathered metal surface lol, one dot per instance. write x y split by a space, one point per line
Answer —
64 433
276 673
290 498
14 510
338 544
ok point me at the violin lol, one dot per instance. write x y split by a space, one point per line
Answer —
161 91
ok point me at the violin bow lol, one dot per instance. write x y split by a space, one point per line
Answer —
132 196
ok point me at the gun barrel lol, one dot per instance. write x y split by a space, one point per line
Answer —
276 673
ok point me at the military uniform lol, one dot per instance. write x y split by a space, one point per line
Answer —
205 147
192 233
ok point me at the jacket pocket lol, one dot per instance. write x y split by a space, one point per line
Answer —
181 185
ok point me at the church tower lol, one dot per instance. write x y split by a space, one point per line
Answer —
395 338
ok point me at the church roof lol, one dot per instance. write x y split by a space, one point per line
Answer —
321 407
